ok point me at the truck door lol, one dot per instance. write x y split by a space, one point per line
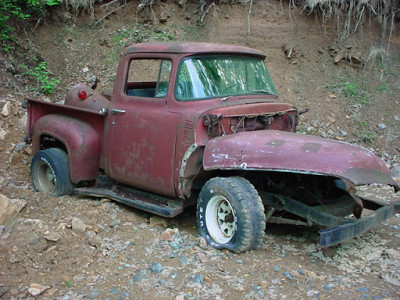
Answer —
140 133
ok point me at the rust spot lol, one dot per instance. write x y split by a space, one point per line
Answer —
276 143
311 147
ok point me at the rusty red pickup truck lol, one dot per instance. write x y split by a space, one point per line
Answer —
200 124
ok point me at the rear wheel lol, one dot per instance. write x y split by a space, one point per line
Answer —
230 214
50 172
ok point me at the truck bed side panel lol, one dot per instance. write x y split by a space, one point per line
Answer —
80 130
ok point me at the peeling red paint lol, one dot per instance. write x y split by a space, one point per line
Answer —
286 151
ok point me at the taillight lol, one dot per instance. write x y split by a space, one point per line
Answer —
82 95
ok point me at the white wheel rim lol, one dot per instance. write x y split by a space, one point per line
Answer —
46 178
220 219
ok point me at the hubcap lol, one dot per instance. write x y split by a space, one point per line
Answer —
220 219
46 178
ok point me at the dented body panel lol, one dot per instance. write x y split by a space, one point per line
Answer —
286 151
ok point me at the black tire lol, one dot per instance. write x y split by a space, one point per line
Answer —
230 214
50 172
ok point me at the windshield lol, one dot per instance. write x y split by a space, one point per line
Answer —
222 76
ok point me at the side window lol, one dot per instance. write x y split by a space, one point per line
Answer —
148 78
163 78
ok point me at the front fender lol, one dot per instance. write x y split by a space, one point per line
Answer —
80 139
286 151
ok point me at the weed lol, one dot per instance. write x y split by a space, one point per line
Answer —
20 11
383 88
45 84
367 137
351 88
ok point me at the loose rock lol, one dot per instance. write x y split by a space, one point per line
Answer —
157 221
36 289
52 236
78 225
9 208
6 109
2 134
156 267
20 146
199 278
393 254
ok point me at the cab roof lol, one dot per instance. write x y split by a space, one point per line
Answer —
191 48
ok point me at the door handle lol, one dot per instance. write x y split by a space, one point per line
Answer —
117 111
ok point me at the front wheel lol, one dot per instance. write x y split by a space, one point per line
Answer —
230 214
50 172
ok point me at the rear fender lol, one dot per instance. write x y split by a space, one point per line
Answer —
273 150
80 140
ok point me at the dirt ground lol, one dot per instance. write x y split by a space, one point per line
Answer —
84 248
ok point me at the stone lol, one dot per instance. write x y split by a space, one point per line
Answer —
78 225
3 290
332 96
115 223
36 289
166 236
3 134
6 109
202 257
85 70
52 236
156 221
163 17
199 278
310 129
322 133
395 171
288 275
9 208
203 243
23 121
95 242
381 126
183 260
397 118
264 284
20 146
357 58
343 133
341 54
393 254
156 267
33 239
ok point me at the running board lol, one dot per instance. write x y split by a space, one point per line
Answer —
151 203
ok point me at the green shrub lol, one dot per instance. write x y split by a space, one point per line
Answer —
45 84
19 11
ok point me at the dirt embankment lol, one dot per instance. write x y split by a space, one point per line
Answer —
83 248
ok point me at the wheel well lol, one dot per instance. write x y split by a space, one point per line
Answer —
47 141
306 188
